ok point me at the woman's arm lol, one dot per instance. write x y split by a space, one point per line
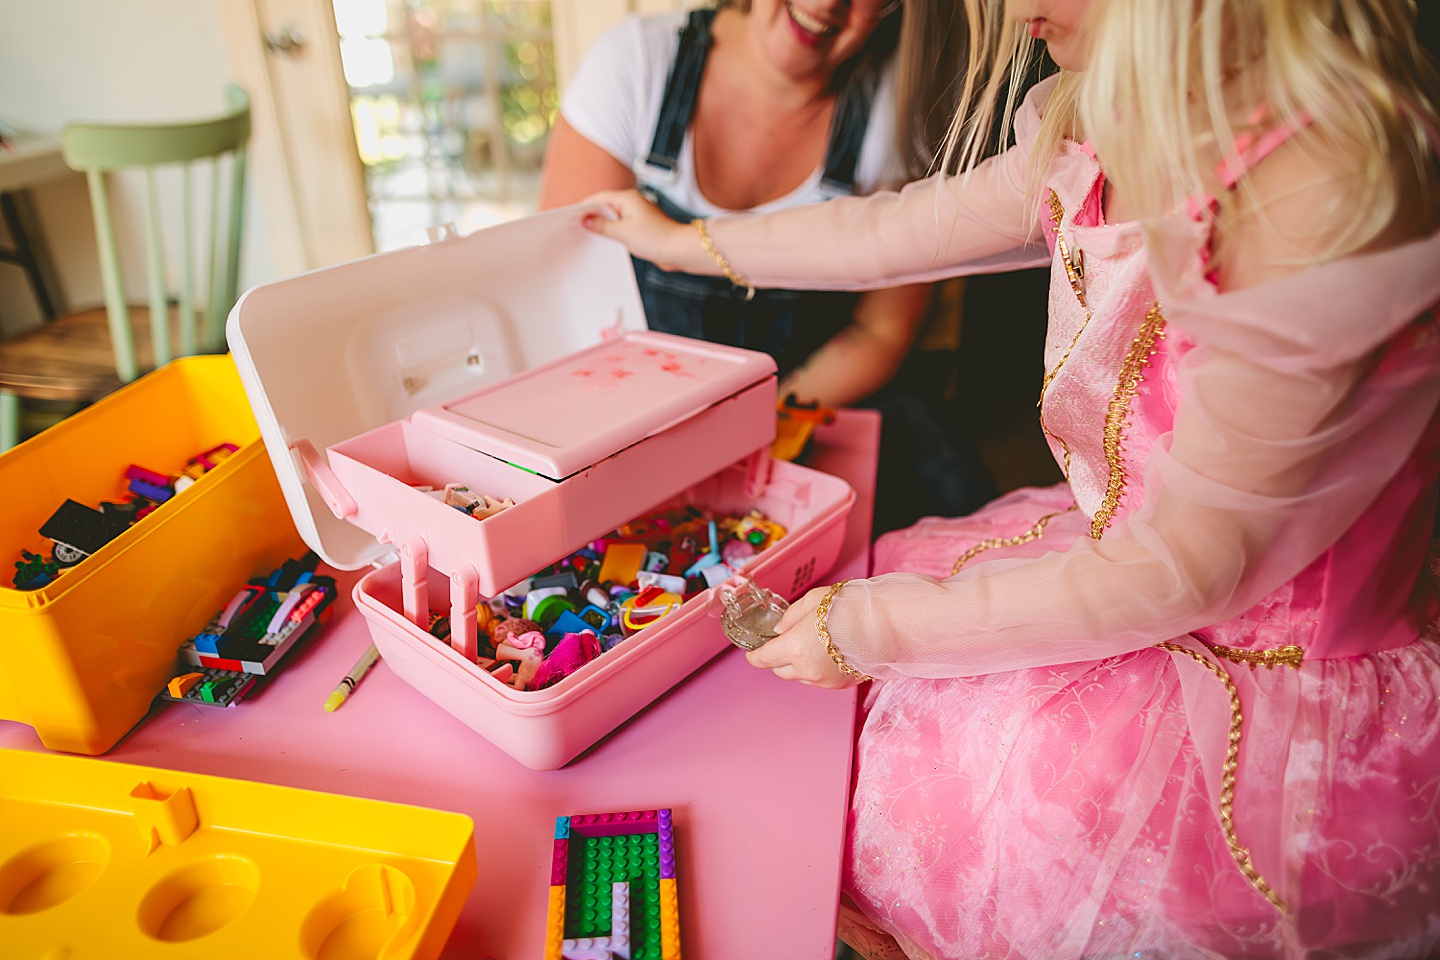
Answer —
862 357
575 168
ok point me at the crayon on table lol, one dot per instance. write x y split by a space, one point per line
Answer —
357 673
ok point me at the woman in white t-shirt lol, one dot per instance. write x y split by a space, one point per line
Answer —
768 104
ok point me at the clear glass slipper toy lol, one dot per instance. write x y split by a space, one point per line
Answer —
749 614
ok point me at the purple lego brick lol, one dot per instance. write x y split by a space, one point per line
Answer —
666 830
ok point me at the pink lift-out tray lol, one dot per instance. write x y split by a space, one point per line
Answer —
416 369
581 445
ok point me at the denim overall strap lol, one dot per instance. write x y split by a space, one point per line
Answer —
677 106
847 133
789 325
682 90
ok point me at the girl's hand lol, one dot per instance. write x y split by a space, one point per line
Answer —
797 653
648 233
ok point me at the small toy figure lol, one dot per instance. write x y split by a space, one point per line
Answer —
572 652
526 649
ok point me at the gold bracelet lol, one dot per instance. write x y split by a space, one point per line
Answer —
720 261
822 613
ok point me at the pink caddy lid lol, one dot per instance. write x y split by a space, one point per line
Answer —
564 416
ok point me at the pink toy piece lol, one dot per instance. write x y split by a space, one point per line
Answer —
529 640
559 860
572 652
514 626
292 600
737 550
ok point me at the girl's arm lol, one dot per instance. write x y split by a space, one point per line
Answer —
575 168
1305 391
862 357
940 227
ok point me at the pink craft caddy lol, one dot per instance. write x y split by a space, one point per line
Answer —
515 361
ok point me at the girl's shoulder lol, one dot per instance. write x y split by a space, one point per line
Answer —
1303 204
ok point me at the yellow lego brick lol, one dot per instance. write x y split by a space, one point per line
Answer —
669 920
555 924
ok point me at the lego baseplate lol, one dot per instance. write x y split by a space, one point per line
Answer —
613 888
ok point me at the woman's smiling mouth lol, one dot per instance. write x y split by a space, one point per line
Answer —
809 30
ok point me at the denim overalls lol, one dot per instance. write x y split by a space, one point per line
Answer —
924 467
789 325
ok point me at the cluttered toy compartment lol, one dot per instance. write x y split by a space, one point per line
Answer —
446 642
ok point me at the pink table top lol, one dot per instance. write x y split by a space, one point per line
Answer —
756 770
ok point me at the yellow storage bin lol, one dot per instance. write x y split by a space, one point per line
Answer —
82 658
104 860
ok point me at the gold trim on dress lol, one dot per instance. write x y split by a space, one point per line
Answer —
1239 853
1289 655
1034 533
1075 271
1132 372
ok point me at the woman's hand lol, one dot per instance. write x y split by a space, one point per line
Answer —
797 652
648 233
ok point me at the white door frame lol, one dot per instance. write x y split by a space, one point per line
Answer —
307 170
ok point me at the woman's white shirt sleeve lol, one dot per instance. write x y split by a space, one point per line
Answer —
613 98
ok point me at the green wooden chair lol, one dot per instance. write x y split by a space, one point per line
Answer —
81 357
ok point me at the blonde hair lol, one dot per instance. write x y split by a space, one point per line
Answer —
1190 74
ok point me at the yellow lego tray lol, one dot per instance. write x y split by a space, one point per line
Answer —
82 658
104 860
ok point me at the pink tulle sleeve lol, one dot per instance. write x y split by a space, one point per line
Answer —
1234 504
939 227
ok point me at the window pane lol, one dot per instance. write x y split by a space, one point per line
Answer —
452 102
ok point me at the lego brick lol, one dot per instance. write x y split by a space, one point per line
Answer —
555 924
83 528
213 688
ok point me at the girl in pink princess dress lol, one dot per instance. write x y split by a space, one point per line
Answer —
1187 703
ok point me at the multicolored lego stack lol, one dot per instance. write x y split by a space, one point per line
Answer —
249 637
612 888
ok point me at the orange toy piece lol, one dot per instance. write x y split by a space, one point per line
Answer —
622 562
795 424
